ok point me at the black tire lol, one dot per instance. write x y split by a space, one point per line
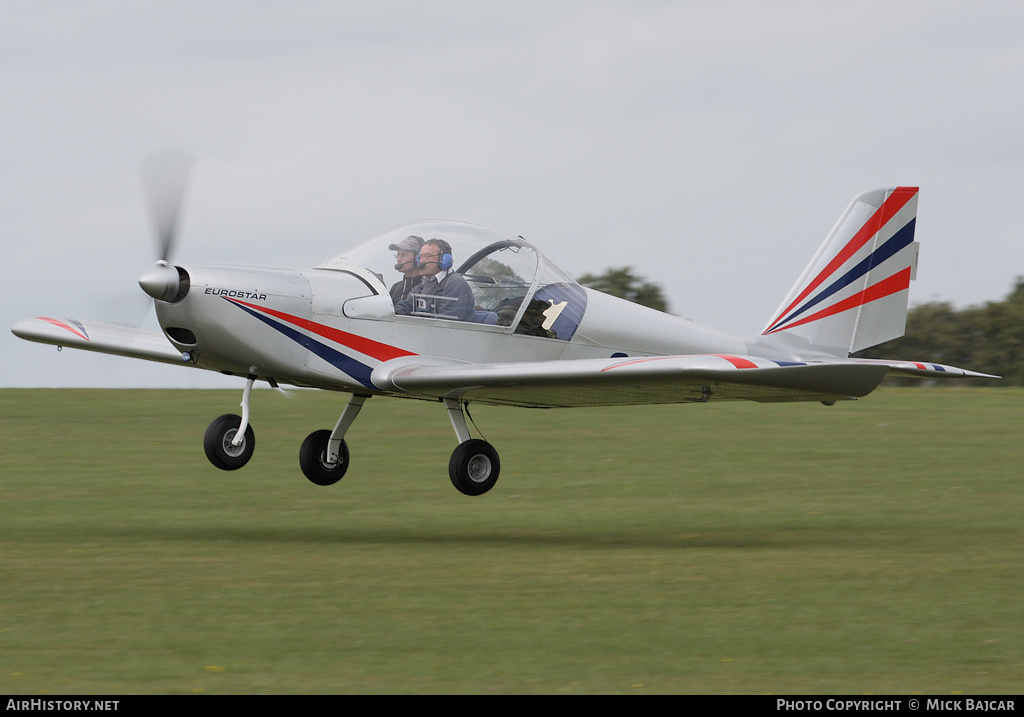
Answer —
313 459
474 467
217 443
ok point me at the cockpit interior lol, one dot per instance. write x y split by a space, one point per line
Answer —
516 289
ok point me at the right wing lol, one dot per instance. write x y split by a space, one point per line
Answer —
115 339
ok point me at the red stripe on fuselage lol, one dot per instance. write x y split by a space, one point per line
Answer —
369 347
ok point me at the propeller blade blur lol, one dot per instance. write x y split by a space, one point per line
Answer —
165 177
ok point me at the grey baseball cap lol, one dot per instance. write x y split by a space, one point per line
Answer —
410 243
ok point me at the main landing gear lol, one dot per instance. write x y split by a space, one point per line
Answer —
474 465
324 456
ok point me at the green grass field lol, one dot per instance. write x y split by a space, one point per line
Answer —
870 547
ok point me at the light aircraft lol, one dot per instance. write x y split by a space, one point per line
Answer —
533 337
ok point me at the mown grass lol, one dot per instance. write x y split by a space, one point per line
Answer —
873 546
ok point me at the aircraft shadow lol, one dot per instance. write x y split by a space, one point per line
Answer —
722 538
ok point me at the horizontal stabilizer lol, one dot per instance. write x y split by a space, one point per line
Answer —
925 369
101 337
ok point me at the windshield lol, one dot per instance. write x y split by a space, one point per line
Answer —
513 285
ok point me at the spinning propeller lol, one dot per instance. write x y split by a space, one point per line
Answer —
165 177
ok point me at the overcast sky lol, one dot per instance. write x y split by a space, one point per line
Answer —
709 144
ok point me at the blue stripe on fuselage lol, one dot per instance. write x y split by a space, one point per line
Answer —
900 240
357 370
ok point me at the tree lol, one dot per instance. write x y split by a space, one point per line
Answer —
622 282
987 338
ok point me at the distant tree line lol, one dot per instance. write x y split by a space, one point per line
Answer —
623 283
988 338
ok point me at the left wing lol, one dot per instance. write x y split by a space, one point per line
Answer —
623 381
651 379
97 336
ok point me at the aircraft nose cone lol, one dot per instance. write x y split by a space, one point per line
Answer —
160 282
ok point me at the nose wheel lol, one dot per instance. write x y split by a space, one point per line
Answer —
221 439
229 440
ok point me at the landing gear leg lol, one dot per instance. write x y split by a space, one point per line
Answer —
244 426
324 454
474 465
229 440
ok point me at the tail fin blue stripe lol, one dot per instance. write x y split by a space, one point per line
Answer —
899 241
893 204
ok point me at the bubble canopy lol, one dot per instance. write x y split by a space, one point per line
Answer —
514 285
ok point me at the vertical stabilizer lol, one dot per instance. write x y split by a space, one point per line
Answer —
854 293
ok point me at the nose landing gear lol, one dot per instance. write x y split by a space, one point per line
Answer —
229 440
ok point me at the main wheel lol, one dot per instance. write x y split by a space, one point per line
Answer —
313 459
474 467
217 443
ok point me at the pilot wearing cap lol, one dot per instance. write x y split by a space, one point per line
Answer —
405 256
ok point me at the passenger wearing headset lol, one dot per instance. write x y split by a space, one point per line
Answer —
405 262
441 293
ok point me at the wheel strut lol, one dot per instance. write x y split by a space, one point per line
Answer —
352 408
240 435
458 419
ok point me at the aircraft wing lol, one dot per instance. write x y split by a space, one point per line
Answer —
925 369
642 380
623 381
105 338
